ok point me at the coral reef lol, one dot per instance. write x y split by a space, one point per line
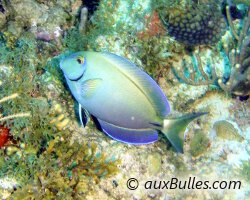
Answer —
227 130
154 55
69 173
193 78
42 143
154 26
48 155
4 135
12 116
45 19
237 53
245 172
195 24
83 20
238 82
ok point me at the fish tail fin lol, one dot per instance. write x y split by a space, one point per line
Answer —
174 129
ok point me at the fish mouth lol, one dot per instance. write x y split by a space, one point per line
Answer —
77 79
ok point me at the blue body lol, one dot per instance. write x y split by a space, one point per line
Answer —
127 102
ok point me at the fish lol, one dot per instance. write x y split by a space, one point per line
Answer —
128 104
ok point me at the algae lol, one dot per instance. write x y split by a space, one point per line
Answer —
70 171
245 170
44 162
153 54
199 144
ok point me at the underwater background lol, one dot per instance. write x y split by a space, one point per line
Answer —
197 51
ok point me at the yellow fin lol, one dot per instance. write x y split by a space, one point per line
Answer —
88 87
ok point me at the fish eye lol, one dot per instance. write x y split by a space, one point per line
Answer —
80 60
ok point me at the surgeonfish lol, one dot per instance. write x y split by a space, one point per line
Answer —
128 104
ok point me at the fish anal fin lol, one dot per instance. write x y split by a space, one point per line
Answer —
130 136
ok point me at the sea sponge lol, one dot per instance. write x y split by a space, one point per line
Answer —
201 24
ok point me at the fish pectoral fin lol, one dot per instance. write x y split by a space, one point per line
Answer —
130 136
88 87
83 115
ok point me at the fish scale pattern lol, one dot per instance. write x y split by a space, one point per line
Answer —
194 25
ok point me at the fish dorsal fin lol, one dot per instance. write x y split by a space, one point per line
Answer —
89 86
143 81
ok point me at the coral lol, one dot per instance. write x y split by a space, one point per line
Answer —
153 54
83 20
194 78
46 2
153 26
91 5
10 40
4 14
73 169
226 130
2 19
154 161
199 144
230 22
60 120
197 24
12 116
74 41
178 163
46 36
90 163
240 113
28 15
238 80
4 134
245 171
218 105
44 160
52 157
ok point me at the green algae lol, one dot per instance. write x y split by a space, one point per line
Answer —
153 54
152 51
199 144
69 172
45 163
245 170
48 149
102 23
177 162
